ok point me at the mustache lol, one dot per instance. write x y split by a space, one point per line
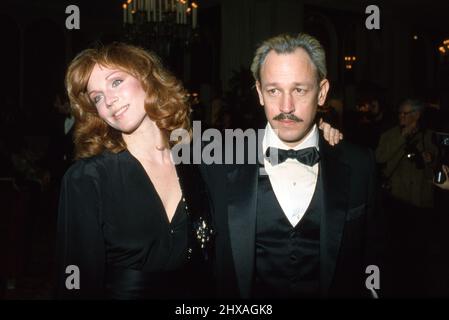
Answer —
287 116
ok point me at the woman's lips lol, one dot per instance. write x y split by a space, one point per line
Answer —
121 111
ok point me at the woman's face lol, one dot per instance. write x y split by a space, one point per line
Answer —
118 97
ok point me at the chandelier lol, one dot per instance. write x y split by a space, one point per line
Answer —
349 62
444 48
164 26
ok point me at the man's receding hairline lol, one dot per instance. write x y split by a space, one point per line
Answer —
287 53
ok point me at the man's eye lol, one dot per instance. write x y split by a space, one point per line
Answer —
300 91
272 91
115 83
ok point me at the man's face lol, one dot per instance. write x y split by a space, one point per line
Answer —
407 117
364 107
290 94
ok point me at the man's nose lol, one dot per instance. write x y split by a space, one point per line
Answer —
287 105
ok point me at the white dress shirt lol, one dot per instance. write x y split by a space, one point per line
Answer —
293 182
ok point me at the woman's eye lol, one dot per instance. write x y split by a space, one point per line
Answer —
97 99
115 83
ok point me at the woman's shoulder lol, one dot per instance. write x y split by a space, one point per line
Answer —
94 167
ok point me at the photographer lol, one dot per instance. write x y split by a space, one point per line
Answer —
407 153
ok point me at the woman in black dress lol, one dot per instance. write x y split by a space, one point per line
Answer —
131 223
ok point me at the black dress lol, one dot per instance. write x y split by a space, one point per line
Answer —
113 227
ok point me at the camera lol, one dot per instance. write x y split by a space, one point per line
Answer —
413 154
441 139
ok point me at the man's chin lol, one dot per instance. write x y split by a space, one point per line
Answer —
292 136
291 139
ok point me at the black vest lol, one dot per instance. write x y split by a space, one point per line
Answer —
287 257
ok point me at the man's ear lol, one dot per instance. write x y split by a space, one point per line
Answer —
259 92
324 89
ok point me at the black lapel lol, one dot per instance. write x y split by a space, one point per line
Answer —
334 177
242 183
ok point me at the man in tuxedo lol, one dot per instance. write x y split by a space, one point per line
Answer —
301 223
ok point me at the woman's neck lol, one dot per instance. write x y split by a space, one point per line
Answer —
147 143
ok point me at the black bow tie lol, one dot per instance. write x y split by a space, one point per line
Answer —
308 156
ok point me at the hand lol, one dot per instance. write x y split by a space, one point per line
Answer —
408 131
427 157
445 185
331 135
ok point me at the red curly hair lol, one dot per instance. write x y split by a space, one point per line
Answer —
166 100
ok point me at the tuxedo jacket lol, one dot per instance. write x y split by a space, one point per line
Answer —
351 232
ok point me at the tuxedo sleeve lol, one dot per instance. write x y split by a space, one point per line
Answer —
226 280
80 242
